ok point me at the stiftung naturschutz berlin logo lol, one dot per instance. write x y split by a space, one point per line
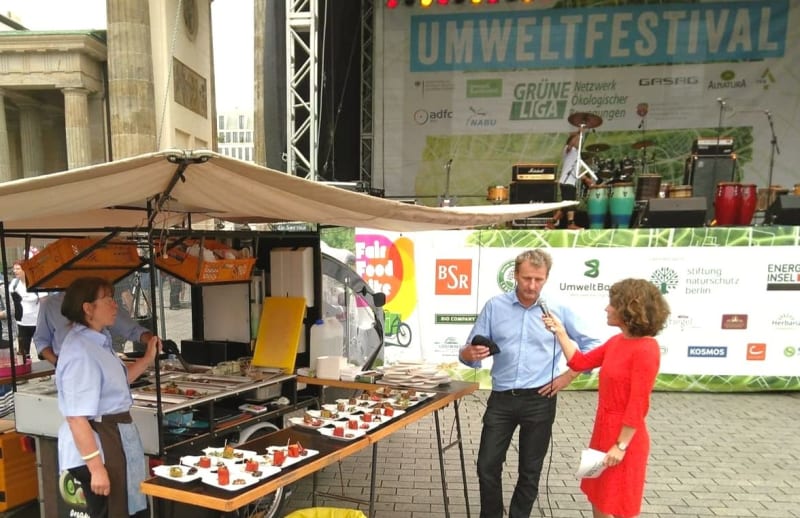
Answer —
505 276
665 279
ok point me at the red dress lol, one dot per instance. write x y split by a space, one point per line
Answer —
628 373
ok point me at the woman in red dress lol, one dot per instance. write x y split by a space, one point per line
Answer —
629 363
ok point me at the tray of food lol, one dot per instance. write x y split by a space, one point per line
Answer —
177 473
285 456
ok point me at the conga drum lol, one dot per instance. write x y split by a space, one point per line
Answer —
748 199
597 205
726 203
497 194
648 186
796 191
680 191
623 199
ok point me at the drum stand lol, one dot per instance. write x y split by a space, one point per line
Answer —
581 167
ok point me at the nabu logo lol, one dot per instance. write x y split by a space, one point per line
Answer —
594 268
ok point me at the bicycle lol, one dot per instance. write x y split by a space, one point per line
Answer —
394 327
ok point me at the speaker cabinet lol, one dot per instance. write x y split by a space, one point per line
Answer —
675 212
537 192
785 210
703 173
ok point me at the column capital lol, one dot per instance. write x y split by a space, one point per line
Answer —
76 90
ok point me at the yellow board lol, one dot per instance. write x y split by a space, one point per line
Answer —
279 332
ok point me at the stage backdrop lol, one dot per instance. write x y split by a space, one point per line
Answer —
484 87
733 294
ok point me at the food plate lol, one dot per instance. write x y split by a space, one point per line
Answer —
298 421
359 402
353 434
247 478
288 461
216 453
163 471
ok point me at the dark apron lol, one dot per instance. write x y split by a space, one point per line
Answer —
114 457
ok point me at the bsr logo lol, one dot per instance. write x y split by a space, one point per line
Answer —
453 276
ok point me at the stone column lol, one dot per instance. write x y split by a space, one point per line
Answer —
6 173
259 137
30 131
130 78
76 123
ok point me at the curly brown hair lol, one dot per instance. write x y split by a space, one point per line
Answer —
640 306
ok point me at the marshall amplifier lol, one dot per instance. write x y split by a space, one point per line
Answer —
533 173
712 146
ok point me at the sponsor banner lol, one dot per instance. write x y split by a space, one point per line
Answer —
493 86
725 319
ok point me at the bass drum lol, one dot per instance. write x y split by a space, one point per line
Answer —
271 505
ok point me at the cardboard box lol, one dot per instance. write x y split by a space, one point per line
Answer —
198 270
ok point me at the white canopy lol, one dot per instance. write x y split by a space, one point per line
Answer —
113 195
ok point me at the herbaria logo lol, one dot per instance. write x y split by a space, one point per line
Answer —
783 277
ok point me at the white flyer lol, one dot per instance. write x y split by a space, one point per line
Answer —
591 465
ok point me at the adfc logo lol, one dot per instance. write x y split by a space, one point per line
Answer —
505 277
453 276
665 279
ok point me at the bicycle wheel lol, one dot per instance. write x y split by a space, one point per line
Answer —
404 334
271 505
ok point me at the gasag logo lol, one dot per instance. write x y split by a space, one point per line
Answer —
422 116
756 352
543 99
593 266
669 81
479 119
453 277
665 279
505 277
705 351
734 321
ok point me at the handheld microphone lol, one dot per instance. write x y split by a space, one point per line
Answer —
546 312
641 124
486 341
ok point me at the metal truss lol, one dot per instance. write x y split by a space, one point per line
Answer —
302 73
367 72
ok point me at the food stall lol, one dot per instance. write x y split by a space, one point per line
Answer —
156 202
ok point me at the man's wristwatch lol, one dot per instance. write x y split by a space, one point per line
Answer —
622 446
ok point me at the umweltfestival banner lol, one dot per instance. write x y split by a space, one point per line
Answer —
733 293
464 92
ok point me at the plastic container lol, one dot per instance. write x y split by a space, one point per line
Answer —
327 339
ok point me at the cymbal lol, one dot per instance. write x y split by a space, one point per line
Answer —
597 148
588 120
643 144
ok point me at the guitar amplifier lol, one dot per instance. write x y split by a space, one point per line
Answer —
533 172
712 146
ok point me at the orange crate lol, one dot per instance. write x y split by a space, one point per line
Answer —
112 261
19 482
196 270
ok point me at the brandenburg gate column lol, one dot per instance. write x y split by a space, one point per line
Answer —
30 131
5 152
76 119
130 72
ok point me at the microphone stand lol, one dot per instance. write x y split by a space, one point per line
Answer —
773 148
446 201
643 127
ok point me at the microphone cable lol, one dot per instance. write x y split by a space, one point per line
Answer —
546 311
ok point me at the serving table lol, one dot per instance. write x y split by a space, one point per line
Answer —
330 451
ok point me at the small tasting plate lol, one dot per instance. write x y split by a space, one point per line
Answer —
163 471
288 461
266 471
349 435
298 421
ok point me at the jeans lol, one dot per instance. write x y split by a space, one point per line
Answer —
534 414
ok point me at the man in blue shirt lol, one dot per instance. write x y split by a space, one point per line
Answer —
52 327
524 382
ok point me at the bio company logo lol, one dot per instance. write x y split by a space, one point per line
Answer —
505 277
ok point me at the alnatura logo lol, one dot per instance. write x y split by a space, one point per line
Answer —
703 351
593 266
665 279
505 277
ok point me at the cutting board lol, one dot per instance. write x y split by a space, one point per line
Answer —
279 332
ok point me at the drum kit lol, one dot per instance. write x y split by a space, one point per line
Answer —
618 189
